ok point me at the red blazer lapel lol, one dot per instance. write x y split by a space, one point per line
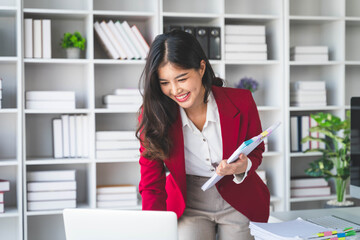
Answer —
230 117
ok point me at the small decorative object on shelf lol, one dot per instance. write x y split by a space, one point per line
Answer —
335 155
73 43
248 83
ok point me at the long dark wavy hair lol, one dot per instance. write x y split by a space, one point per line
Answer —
159 111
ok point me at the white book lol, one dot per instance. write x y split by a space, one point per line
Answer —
112 145
314 144
1 197
236 47
309 93
308 104
46 38
114 99
51 186
124 107
120 154
310 192
2 208
308 182
134 39
115 135
127 92
85 132
245 29
124 43
105 42
127 39
307 86
111 36
309 49
245 39
307 97
310 57
4 185
32 104
140 38
50 205
37 37
117 204
246 56
79 136
116 197
125 53
72 135
305 123
28 35
294 134
57 138
66 135
116 189
50 95
49 176
51 195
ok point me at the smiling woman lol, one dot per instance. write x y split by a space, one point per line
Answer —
190 124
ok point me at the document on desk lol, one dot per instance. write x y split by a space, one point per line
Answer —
246 148
290 230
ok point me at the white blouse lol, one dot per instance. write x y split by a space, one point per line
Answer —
203 149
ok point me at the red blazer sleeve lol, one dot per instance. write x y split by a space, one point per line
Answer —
152 183
254 129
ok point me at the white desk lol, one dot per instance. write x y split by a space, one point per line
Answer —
350 213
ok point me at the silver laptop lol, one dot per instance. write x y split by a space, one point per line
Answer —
104 224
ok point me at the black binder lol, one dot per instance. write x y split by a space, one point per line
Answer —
214 43
190 30
202 37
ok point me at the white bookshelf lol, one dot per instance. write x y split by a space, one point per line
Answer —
26 138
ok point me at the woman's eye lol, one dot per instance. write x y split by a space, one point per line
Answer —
163 83
182 80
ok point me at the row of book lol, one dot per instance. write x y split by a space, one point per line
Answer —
4 187
51 190
308 93
309 53
299 128
120 41
37 34
117 145
245 42
116 196
1 92
124 99
309 187
71 136
50 99
208 37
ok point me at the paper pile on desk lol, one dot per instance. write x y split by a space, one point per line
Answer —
289 230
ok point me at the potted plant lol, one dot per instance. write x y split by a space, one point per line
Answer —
248 83
335 160
73 43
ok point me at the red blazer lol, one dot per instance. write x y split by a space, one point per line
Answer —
239 120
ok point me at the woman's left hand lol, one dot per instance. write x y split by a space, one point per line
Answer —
237 167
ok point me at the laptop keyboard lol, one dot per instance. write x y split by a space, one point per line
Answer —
331 221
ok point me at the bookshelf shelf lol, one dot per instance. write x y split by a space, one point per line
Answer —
143 15
309 199
56 61
59 111
315 108
10 212
57 12
8 162
251 16
268 62
117 160
55 161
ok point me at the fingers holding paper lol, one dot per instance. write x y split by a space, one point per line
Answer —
237 167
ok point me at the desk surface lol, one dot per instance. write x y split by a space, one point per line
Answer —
350 213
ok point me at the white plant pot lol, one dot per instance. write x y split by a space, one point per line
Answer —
73 52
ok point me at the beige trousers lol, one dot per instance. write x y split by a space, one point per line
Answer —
208 216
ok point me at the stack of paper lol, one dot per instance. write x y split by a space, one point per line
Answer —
116 196
290 230
50 100
309 187
245 42
309 53
128 100
117 145
307 93
4 187
51 190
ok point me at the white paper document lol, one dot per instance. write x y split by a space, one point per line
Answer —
245 148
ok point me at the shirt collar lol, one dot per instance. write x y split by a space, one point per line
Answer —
211 111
